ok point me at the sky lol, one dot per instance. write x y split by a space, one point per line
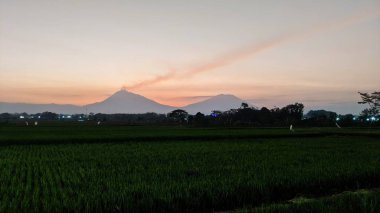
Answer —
270 53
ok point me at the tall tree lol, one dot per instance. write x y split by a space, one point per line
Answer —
292 112
373 101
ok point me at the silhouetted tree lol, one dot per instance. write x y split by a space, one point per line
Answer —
320 118
190 119
6 117
229 116
321 115
292 113
200 119
49 116
276 116
178 115
373 101
244 105
265 116
246 116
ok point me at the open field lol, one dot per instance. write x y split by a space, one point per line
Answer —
172 169
53 133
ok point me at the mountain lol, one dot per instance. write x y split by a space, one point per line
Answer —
36 108
127 102
220 102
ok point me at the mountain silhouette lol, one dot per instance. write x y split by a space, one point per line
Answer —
37 108
220 102
127 102
124 101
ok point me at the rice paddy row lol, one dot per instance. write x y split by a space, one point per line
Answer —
183 176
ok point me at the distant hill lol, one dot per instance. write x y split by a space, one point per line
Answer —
220 102
36 108
125 102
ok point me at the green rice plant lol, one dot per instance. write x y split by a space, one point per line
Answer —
190 175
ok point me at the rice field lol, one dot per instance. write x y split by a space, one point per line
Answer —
178 169
348 201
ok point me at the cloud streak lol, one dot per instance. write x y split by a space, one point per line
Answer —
253 49
160 78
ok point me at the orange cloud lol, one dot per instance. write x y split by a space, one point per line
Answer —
254 49
172 74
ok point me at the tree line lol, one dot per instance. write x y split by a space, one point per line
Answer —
292 114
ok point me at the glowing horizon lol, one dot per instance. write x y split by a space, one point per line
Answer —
176 53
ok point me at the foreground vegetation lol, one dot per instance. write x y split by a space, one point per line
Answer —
167 169
357 201
54 133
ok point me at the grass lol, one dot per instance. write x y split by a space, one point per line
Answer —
357 201
84 170
57 133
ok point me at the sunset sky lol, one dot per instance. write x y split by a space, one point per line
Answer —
270 53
